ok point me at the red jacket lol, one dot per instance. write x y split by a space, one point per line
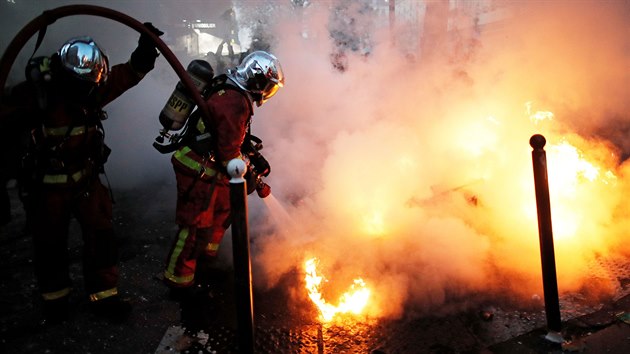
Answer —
230 112
67 130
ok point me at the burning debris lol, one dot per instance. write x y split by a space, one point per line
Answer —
351 302
369 148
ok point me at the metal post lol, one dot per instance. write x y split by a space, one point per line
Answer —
545 235
240 250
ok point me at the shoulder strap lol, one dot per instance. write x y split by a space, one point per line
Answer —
40 38
222 82
191 136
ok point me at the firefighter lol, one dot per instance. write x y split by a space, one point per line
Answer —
63 99
203 205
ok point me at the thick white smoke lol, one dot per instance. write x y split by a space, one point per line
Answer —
416 174
410 169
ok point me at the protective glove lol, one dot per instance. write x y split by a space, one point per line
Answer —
143 58
145 41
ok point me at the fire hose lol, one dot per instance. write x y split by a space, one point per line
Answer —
48 17
241 248
40 23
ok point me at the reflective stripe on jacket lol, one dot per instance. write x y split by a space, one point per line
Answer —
103 294
54 295
195 163
64 178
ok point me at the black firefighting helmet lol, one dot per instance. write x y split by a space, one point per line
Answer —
83 59
260 74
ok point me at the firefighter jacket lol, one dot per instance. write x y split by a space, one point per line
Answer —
67 128
203 193
69 152
230 111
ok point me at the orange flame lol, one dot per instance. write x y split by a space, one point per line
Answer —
353 301
568 176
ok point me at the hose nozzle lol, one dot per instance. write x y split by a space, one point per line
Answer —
262 189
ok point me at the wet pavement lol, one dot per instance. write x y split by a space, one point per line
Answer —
283 324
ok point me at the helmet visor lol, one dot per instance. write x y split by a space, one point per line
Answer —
270 90
85 60
269 78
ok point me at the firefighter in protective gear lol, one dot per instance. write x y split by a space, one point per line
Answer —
203 201
63 99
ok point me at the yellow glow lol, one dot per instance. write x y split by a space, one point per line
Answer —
569 166
351 302
374 224
570 173
474 169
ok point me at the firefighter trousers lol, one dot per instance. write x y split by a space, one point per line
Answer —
202 216
89 202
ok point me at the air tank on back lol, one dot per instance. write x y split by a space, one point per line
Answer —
180 104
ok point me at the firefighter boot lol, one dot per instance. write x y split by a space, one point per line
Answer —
112 308
55 311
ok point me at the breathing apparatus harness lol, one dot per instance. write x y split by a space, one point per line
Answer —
46 163
41 22
203 144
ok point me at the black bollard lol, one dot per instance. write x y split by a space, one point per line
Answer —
545 234
242 261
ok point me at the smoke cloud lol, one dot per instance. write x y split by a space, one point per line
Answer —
411 168
415 173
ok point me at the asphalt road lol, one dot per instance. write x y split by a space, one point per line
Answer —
143 220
